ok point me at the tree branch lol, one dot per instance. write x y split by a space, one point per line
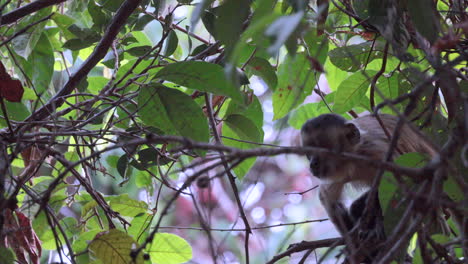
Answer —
307 245
125 10
26 10
231 178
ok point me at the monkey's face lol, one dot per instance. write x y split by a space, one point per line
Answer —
333 133
321 165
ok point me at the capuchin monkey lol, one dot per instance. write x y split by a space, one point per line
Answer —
362 136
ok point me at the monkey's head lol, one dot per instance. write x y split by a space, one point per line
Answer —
332 132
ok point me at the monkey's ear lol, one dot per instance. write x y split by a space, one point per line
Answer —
352 133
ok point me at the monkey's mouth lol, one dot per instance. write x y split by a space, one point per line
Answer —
324 170
319 171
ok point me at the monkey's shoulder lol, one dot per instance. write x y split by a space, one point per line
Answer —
371 145
376 136
371 123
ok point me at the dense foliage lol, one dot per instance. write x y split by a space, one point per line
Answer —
146 131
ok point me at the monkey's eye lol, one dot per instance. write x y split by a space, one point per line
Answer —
352 133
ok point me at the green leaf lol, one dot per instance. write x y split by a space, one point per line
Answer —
229 24
149 157
81 243
282 29
392 199
38 222
124 69
139 51
96 83
171 43
198 49
413 160
124 111
441 239
417 258
389 87
412 244
122 165
29 94
142 38
263 69
111 5
252 33
238 127
424 18
16 112
80 32
48 238
244 128
114 247
390 196
263 9
317 45
129 40
42 58
88 209
127 206
25 43
173 112
351 91
361 8
454 190
389 19
143 180
142 21
198 11
305 112
387 191
253 111
62 21
353 57
77 44
169 249
139 226
100 18
200 75
7 255
295 82
209 21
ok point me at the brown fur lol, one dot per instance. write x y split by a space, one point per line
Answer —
375 142
332 131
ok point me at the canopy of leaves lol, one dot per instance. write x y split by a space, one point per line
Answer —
126 122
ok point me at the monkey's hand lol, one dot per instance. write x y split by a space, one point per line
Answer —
368 227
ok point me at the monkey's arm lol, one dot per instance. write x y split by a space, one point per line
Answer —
330 197
367 233
371 220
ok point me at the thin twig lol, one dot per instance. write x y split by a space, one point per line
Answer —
120 18
231 177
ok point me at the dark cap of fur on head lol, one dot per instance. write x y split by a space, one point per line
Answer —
323 121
